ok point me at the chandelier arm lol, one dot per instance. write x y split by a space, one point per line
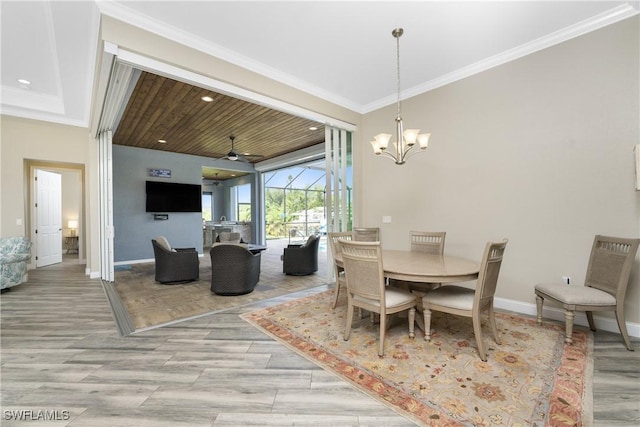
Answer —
414 153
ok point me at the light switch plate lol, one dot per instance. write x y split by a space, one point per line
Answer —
386 220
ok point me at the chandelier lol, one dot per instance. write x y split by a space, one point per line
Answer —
405 139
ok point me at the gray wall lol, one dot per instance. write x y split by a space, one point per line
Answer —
134 228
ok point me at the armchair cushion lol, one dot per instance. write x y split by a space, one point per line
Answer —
15 253
301 260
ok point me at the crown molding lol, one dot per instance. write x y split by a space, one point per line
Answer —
132 17
602 20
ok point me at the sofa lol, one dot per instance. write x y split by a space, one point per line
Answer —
235 270
15 253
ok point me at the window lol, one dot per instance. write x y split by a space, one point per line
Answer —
243 202
207 206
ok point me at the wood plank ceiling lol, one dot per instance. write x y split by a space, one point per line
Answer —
164 109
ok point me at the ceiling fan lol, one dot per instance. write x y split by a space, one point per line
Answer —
233 154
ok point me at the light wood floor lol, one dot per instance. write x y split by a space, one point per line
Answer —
61 351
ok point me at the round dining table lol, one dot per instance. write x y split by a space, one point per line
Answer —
420 267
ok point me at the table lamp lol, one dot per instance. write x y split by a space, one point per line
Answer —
73 226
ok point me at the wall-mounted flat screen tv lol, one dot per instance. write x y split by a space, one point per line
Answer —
173 197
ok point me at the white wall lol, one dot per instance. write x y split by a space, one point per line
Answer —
539 150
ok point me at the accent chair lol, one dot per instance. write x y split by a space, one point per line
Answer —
301 260
605 286
15 253
234 269
174 265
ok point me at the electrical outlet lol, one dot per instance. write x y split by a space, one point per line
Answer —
566 280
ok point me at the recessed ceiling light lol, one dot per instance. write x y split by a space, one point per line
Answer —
207 99
24 82
162 141
313 128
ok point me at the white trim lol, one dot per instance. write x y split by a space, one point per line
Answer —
599 21
132 17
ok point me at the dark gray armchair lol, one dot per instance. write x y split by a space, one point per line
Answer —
234 269
301 260
175 265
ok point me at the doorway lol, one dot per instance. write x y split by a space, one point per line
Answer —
65 241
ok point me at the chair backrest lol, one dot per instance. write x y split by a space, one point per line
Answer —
366 234
431 242
610 264
333 241
489 271
363 269
229 237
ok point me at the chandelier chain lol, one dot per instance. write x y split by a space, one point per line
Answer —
398 67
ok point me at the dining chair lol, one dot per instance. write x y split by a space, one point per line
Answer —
430 242
337 265
468 302
366 288
366 234
605 285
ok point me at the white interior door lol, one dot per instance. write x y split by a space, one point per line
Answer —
48 227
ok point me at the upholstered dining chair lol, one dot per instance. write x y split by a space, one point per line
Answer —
338 269
430 242
366 234
605 285
468 302
366 287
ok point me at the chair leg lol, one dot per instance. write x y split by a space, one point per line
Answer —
623 327
539 303
337 294
592 324
568 319
492 322
427 322
412 323
383 330
347 330
477 331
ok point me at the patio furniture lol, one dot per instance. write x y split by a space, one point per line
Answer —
235 270
174 265
301 260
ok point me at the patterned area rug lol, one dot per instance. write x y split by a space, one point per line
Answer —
532 379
